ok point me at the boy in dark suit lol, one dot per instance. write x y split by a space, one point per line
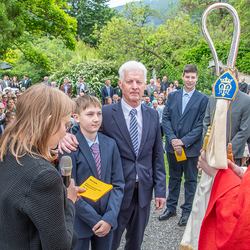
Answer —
96 155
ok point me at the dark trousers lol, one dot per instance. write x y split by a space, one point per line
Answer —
238 161
135 220
97 243
176 169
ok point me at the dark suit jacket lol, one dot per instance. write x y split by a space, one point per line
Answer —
186 126
34 202
104 93
69 91
118 92
243 87
149 164
240 122
88 212
27 84
164 86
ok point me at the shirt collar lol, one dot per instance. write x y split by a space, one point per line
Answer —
90 143
126 108
189 94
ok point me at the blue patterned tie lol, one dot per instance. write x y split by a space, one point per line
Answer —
97 157
133 130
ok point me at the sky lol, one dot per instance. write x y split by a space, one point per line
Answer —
114 3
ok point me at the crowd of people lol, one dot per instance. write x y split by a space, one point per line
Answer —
119 142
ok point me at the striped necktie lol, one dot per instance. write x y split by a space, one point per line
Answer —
97 158
133 130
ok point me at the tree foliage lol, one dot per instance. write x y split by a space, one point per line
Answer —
24 21
90 14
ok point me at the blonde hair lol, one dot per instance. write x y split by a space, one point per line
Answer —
31 129
85 101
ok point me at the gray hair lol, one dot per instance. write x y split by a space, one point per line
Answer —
154 101
1 104
115 95
132 65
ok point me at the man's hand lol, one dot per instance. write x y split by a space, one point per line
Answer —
177 142
159 203
236 169
102 228
178 150
68 143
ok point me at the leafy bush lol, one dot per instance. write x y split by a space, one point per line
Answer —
94 72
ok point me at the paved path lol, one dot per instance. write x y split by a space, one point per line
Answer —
162 234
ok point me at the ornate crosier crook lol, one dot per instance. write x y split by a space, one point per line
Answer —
216 143
215 146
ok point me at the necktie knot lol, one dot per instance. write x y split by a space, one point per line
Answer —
95 148
133 112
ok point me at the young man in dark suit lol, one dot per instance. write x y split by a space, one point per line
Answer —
26 82
97 155
182 124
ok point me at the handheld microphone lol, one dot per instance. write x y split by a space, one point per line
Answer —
66 167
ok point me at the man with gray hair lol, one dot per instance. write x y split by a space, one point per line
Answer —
46 81
151 88
136 130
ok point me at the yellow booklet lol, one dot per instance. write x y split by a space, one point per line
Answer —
95 189
181 157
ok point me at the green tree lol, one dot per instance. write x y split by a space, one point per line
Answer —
23 21
90 14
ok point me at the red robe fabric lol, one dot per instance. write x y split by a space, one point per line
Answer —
226 224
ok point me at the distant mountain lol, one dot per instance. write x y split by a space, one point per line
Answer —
159 5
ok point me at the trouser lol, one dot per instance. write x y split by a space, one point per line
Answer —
135 220
97 243
176 169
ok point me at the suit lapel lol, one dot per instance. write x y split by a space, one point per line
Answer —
179 101
84 147
145 127
192 100
121 124
103 152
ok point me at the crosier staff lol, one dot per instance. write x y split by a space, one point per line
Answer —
215 140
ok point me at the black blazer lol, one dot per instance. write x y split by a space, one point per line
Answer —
34 203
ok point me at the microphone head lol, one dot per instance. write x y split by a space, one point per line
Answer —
66 162
66 167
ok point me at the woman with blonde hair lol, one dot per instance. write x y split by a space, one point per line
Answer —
37 211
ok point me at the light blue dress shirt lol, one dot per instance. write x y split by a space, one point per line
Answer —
90 143
185 98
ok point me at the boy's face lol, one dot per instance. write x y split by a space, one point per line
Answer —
89 120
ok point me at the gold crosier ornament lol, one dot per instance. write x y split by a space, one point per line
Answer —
215 140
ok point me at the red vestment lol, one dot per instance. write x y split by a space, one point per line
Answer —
226 225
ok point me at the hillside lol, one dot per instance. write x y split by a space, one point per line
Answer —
161 5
